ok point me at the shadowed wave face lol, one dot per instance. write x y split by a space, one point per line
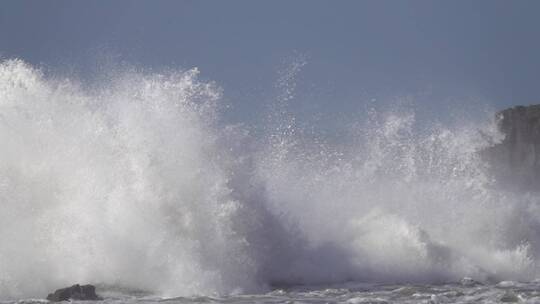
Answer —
137 183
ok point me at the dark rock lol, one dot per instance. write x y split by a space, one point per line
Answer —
75 292
516 160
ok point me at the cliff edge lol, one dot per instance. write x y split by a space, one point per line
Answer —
516 160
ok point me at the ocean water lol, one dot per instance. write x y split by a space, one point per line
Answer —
136 184
466 291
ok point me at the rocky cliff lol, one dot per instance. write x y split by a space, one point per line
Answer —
516 160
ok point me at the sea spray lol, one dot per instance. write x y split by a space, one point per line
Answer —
138 183
124 185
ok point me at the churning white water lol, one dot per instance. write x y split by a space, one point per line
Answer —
137 183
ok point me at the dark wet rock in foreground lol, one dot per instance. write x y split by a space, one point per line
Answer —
75 292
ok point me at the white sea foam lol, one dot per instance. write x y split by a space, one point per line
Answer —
137 183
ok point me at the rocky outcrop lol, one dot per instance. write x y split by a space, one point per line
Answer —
75 292
516 160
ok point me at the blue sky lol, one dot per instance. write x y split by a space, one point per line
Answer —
439 54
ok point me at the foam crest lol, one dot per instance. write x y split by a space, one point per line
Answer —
124 185
137 183
404 204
